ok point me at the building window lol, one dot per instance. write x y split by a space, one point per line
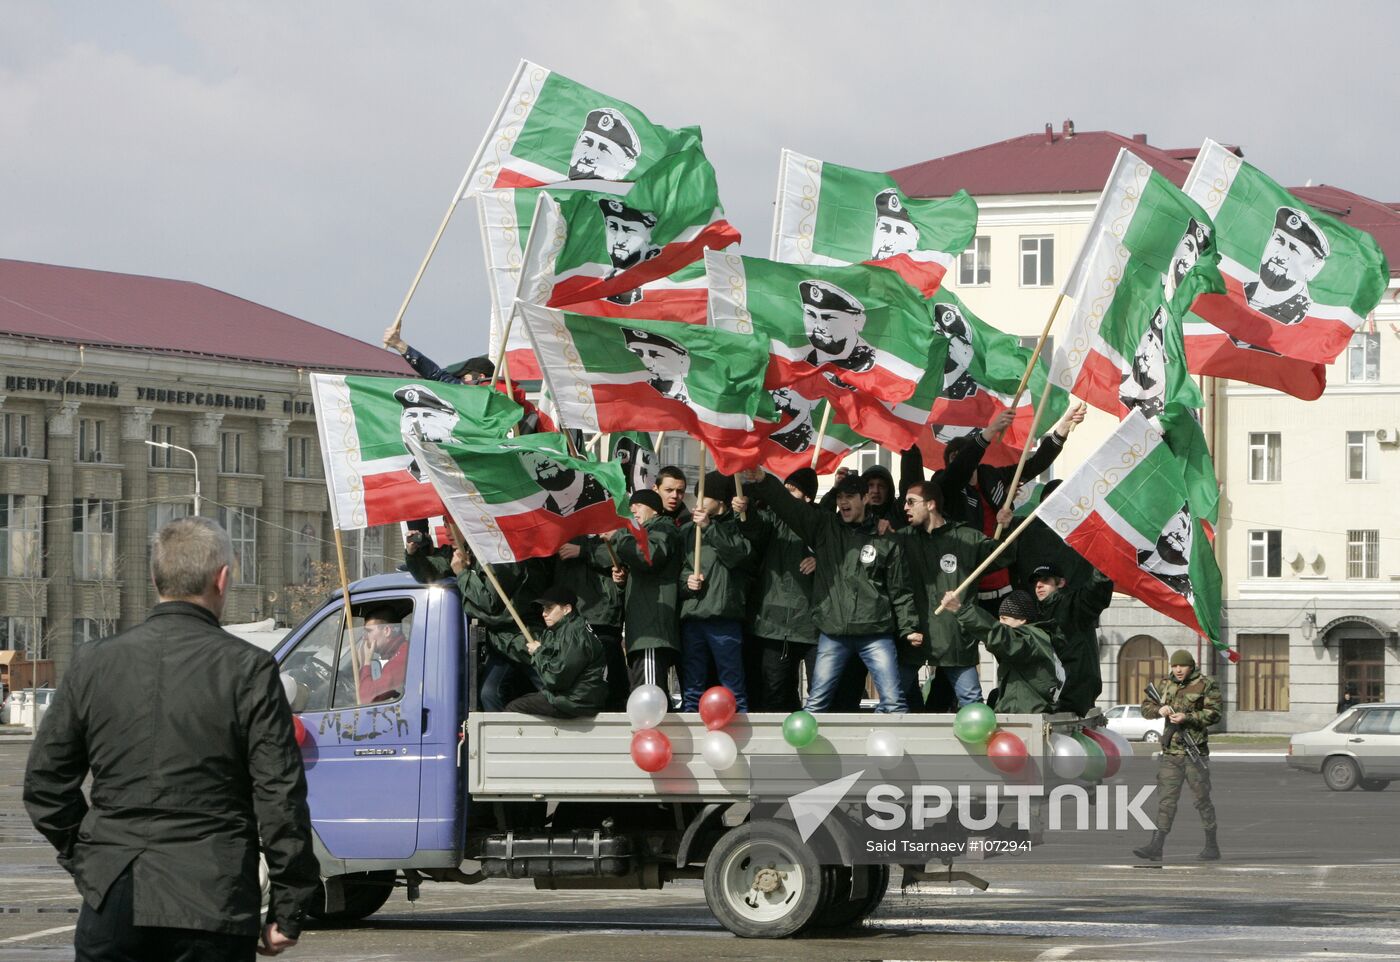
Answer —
1265 554
1358 455
231 452
91 432
1363 554
975 263
1364 358
21 535
305 545
85 631
1263 672
24 634
1037 261
162 513
14 436
242 527
872 457
371 551
299 457
1264 451
162 434
94 540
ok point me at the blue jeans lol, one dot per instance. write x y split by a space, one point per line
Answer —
966 685
909 684
877 651
502 681
704 640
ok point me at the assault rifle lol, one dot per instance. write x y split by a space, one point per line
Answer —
1171 730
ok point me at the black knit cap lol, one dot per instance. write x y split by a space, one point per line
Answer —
851 484
804 480
1020 604
719 486
649 498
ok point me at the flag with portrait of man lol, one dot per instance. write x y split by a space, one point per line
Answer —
549 129
523 497
831 215
364 424
803 423
612 375
1299 281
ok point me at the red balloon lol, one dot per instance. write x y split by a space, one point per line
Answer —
1113 758
1007 752
717 707
651 750
299 729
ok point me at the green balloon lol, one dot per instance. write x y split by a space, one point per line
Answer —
1096 761
800 729
974 723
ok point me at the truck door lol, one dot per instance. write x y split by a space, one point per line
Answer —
364 728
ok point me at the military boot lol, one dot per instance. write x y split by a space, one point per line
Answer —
1211 853
1153 849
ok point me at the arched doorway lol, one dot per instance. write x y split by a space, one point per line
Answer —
1141 661
1360 655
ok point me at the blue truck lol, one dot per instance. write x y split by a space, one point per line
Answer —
419 786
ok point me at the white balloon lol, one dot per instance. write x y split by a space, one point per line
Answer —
885 747
719 750
1068 757
289 688
646 706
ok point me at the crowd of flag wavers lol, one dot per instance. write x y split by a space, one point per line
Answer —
617 281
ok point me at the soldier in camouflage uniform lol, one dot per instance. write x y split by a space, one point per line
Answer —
1192 701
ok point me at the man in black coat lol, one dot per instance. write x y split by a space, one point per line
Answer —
185 777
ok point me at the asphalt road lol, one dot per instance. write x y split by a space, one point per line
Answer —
1183 910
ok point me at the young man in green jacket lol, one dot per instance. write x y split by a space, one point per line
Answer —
780 600
1076 612
507 668
1029 675
569 660
862 600
941 555
650 600
712 599
585 568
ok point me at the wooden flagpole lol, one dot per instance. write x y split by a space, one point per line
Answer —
821 435
1035 355
349 619
699 503
1025 453
397 326
515 615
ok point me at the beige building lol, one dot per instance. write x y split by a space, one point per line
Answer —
97 367
1309 538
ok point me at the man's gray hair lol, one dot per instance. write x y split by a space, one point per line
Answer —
187 554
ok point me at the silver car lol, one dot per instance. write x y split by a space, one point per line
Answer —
1127 721
1360 747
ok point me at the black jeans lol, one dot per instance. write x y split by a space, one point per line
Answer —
652 666
108 935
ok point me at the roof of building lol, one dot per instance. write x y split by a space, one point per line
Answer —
75 305
1066 161
1052 162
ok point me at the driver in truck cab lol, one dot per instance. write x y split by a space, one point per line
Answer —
383 657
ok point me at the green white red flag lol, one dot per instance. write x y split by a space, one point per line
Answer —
364 423
790 444
1123 349
550 130
862 324
523 497
981 371
635 451
830 215
612 375
1134 511
1299 281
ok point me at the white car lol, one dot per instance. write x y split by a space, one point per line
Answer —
1127 721
1361 747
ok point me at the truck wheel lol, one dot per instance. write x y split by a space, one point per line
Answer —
1339 773
1374 784
365 894
762 881
850 911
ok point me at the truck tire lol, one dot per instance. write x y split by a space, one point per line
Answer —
365 894
845 910
762 881
1340 774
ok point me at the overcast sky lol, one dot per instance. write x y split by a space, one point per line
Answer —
302 154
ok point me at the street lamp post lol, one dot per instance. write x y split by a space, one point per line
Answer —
167 444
